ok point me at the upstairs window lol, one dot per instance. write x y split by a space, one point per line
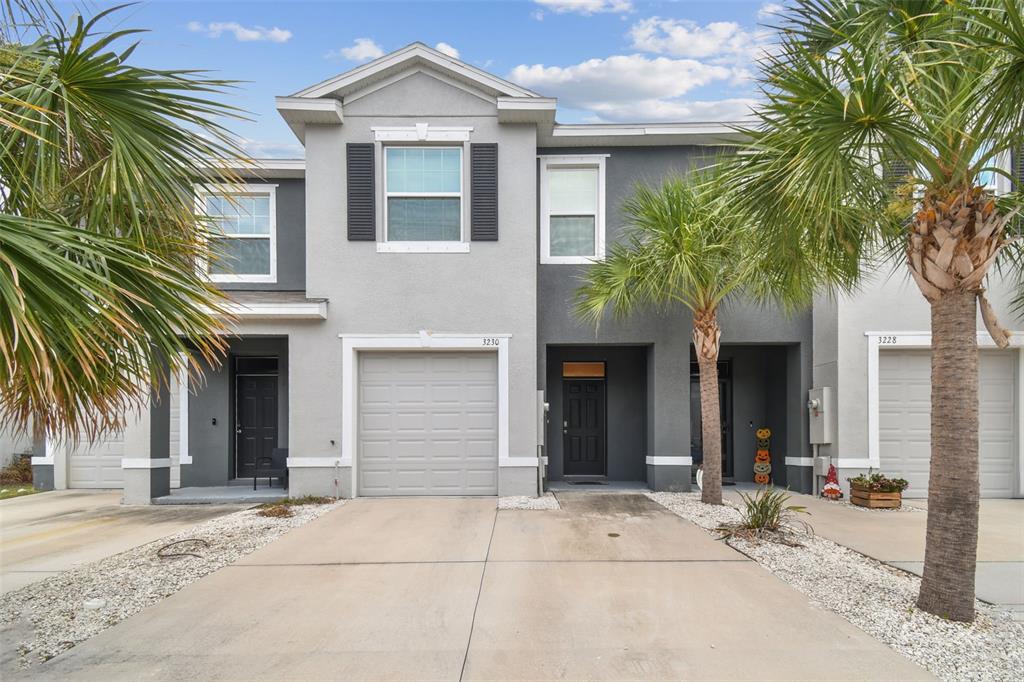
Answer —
423 194
572 209
243 234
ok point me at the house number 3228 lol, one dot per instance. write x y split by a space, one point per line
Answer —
886 340
490 342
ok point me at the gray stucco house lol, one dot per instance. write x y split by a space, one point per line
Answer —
404 303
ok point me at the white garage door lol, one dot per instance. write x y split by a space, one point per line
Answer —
904 394
428 423
97 464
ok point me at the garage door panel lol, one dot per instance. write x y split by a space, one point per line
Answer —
905 419
428 423
97 464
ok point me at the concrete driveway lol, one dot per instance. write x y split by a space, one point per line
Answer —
609 587
46 533
897 538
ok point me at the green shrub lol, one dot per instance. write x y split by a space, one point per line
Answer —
879 483
765 515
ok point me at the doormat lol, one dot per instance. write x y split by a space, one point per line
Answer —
588 482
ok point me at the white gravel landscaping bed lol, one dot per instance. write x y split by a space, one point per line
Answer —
877 598
50 616
546 501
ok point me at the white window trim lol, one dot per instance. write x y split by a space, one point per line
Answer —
878 340
592 160
423 341
461 246
203 191
421 132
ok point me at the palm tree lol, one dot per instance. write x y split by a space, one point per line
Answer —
99 291
686 245
854 90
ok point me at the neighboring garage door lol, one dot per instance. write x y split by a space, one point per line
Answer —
904 394
98 464
428 423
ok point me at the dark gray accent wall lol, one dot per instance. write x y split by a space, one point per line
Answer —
291 240
626 396
668 334
212 445
160 440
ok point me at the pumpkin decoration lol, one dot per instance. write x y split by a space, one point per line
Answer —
763 456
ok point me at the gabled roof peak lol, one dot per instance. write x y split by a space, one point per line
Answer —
408 56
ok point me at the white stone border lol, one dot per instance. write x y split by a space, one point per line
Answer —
910 340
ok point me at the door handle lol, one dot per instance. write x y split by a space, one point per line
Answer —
238 430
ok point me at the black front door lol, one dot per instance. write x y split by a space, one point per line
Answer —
583 428
255 422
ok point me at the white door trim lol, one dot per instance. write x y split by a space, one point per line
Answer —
910 340
424 341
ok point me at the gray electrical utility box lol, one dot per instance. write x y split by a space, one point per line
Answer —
820 417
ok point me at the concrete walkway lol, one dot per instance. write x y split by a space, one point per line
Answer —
898 538
609 587
46 533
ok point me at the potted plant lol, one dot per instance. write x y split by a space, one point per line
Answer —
877 491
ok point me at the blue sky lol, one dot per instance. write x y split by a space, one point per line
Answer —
606 60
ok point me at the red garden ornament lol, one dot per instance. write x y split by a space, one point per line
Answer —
832 490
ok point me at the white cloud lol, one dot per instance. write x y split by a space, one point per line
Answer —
769 9
362 50
445 48
265 149
683 38
242 33
585 7
735 109
618 78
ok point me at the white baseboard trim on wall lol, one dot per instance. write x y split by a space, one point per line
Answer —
317 462
518 462
670 461
799 461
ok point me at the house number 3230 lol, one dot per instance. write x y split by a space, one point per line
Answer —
490 342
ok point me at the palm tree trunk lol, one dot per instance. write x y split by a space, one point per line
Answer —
947 585
706 337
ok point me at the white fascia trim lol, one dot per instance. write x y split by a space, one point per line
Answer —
527 103
184 456
640 129
421 132
548 161
903 339
427 54
310 110
311 310
661 460
424 340
799 461
145 463
422 247
316 462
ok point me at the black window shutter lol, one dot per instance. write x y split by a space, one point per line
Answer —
483 191
362 205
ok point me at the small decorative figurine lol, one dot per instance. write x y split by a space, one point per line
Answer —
763 457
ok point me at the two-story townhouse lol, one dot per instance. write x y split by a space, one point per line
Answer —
404 301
